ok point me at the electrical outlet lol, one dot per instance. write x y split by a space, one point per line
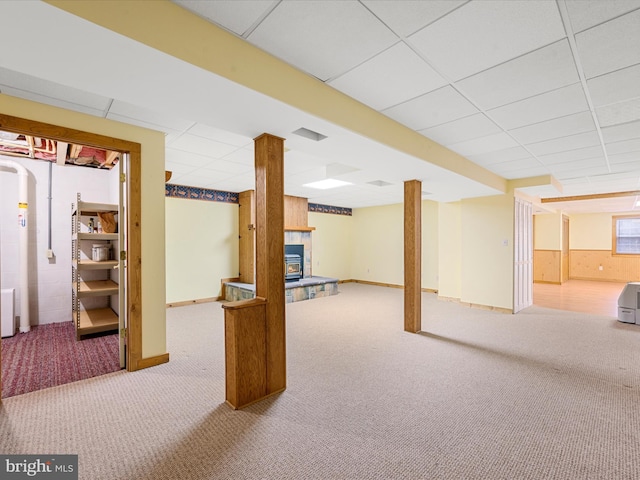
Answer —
49 253
600 268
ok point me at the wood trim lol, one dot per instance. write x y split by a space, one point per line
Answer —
134 219
476 305
593 196
240 304
192 302
152 361
412 256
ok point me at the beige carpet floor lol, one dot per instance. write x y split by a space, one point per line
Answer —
543 394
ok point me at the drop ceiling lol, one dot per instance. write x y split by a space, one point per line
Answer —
520 88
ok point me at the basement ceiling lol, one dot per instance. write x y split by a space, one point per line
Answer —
520 88
38 148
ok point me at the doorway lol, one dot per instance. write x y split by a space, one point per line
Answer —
130 334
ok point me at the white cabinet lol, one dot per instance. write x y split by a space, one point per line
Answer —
94 269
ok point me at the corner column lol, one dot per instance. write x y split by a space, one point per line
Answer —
269 168
412 256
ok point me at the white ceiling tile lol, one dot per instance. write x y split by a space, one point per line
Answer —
407 16
588 13
245 155
558 103
627 167
616 86
577 167
56 102
322 38
587 171
54 91
625 158
467 128
625 131
186 158
500 156
562 144
231 14
537 72
177 168
480 35
393 76
617 113
232 168
202 146
213 133
431 109
578 154
145 117
489 143
558 127
623 147
610 46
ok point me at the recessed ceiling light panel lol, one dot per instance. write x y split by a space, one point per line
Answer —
327 183
379 183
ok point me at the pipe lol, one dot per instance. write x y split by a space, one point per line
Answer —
23 224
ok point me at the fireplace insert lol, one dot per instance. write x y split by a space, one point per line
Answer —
292 267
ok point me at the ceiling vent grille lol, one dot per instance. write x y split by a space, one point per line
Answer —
380 183
310 134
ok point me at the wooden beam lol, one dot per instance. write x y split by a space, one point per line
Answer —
269 166
412 256
75 151
594 196
110 157
61 154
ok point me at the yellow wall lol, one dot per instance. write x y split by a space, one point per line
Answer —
430 244
331 243
487 251
547 231
378 244
450 250
590 231
202 247
153 241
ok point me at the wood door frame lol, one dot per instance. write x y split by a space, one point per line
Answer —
134 248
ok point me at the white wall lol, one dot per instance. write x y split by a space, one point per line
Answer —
201 247
50 279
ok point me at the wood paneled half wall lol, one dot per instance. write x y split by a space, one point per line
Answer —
603 266
547 266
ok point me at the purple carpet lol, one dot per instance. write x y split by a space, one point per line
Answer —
49 355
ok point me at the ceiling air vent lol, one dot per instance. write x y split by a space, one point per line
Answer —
310 134
380 183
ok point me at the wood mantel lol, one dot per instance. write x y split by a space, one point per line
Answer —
299 229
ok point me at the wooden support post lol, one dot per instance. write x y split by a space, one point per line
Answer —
412 255
269 165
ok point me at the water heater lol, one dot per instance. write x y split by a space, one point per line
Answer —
629 303
7 312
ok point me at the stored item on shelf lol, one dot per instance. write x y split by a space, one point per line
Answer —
100 252
108 222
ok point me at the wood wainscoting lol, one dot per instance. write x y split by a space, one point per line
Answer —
547 266
601 265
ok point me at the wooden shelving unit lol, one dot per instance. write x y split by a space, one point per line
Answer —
94 286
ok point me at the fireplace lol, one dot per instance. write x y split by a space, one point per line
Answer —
293 262
292 267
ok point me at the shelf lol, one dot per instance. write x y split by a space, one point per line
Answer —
95 236
90 209
98 320
95 288
91 265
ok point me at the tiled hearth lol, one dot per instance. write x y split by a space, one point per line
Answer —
303 289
